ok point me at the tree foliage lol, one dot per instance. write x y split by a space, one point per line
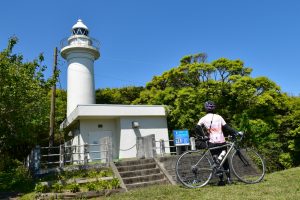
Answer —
257 106
117 95
60 114
23 104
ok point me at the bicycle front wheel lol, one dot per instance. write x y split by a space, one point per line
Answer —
248 165
193 169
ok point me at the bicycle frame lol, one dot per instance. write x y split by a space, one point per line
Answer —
231 145
203 164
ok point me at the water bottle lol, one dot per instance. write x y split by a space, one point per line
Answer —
216 161
221 156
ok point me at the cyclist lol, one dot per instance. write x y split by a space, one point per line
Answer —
213 126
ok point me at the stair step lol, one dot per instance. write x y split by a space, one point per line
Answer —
134 162
136 167
145 184
141 172
140 179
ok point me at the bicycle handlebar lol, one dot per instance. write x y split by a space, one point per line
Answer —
239 134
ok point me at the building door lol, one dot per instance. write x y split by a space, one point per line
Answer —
98 141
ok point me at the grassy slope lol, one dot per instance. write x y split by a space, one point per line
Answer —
279 185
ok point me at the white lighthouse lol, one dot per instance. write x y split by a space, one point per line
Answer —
80 51
98 126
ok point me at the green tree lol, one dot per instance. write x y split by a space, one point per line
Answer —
23 104
60 114
255 105
124 95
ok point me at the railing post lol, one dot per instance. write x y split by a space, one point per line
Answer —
85 153
150 146
61 155
110 150
140 149
106 142
30 160
37 158
72 153
106 150
193 143
153 146
162 147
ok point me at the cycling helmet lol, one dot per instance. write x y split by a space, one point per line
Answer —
209 106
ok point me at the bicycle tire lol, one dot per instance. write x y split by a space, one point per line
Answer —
248 166
194 169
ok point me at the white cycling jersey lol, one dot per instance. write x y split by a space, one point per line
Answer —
213 123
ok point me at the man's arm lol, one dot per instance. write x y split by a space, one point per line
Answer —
226 128
199 130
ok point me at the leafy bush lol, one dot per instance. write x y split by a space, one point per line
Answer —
93 174
115 183
104 184
41 188
17 178
74 187
105 173
91 186
57 187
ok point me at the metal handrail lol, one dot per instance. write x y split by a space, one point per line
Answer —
162 147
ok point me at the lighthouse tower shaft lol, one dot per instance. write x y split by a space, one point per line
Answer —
80 51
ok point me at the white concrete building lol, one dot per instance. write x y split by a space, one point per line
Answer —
90 123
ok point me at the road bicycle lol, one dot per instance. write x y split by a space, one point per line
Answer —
195 168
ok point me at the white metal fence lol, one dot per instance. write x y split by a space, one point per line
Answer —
42 158
173 149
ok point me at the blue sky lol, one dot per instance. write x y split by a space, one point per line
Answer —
141 39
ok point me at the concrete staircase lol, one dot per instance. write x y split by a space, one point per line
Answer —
140 173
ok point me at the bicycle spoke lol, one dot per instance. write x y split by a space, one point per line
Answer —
248 165
193 169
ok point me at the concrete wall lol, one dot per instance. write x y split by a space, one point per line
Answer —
122 133
147 126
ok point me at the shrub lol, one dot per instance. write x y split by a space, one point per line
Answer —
41 188
57 187
74 187
91 186
17 178
103 173
104 184
93 174
115 183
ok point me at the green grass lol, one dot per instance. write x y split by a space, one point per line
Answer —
279 185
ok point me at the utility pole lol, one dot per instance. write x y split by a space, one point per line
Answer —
53 94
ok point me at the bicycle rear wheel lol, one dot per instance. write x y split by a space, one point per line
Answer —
248 165
193 169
